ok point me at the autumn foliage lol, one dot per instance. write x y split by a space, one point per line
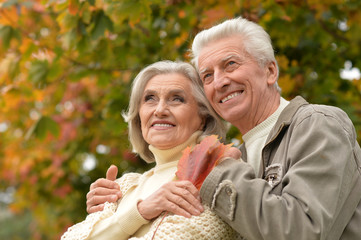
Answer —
195 164
66 67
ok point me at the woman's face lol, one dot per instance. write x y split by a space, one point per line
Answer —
168 111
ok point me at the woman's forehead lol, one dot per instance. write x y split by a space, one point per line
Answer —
170 82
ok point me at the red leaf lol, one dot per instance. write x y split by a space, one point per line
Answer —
195 165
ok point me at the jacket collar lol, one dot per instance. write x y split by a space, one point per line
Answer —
283 121
286 116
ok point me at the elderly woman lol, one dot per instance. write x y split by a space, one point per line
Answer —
168 111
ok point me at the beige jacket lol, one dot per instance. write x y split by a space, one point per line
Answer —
308 186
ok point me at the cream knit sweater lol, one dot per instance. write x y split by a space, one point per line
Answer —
255 139
123 221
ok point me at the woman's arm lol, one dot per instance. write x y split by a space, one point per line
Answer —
103 190
206 226
120 226
112 222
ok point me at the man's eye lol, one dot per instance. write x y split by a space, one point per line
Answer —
231 65
207 77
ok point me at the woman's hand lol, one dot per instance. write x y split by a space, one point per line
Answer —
103 190
178 197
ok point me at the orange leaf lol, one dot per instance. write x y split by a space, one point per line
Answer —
196 164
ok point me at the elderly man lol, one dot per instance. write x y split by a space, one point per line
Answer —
300 174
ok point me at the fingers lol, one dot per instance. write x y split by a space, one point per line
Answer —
185 197
233 153
104 183
112 173
102 195
103 190
94 209
180 198
96 203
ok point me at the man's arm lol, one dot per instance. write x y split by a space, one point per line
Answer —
314 187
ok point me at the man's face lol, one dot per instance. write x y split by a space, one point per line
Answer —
236 86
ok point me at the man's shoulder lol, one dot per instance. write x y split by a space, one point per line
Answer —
305 109
321 112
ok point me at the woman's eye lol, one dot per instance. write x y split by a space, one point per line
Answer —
148 98
178 99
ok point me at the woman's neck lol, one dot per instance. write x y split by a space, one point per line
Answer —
163 156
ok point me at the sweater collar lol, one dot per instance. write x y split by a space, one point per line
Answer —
265 127
172 155
285 118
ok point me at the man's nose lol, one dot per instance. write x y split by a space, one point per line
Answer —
220 80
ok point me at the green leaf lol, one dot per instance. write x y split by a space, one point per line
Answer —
38 73
9 3
42 127
6 35
102 22
103 79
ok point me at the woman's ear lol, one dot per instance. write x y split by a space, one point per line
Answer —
203 124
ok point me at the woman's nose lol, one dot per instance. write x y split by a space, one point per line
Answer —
161 109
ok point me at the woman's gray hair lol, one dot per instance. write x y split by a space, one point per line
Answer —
213 124
255 40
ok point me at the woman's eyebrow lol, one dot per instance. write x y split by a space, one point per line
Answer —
149 91
171 92
177 91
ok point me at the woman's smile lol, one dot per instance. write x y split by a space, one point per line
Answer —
168 111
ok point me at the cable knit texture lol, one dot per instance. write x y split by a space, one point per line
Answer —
122 220
205 226
83 229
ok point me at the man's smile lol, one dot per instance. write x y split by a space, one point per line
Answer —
231 96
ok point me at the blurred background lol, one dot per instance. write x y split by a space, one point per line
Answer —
65 72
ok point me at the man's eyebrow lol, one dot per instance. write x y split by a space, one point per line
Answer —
203 70
225 59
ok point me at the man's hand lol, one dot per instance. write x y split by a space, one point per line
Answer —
233 152
103 190
178 197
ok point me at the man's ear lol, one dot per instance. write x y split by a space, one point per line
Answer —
272 73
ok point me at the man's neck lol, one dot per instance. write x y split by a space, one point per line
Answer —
268 107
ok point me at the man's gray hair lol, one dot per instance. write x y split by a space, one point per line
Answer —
213 124
256 41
